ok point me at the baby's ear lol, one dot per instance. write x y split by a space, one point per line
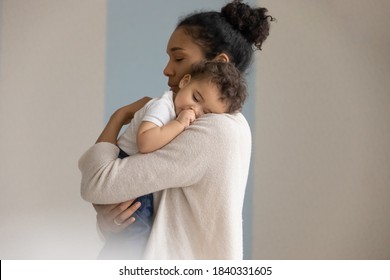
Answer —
185 80
223 57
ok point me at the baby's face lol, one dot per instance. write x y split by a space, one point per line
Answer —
201 96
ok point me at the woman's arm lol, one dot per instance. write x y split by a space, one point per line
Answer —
120 212
181 163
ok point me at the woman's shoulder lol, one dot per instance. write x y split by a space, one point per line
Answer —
230 121
226 126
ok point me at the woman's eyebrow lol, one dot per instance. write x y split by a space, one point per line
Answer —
173 49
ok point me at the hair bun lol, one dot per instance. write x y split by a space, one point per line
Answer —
252 23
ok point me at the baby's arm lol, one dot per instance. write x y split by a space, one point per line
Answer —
151 137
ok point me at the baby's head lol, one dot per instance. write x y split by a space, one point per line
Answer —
227 78
212 87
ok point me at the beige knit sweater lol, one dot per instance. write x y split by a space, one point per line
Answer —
198 181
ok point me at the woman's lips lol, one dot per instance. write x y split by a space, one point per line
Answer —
174 88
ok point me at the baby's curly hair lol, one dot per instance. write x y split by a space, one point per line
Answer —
228 80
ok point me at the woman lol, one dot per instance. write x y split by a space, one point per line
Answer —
199 179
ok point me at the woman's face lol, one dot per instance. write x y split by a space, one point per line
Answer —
182 52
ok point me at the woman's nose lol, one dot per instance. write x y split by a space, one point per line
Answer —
168 70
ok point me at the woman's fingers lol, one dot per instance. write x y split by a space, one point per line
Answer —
104 209
124 214
120 208
113 218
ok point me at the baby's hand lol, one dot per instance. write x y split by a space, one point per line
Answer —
186 117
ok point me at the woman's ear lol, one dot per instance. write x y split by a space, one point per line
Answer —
223 57
185 80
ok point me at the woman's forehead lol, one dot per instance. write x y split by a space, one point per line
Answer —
181 41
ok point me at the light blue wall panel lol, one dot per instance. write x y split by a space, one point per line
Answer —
137 34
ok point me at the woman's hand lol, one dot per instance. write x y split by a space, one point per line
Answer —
120 118
113 218
126 113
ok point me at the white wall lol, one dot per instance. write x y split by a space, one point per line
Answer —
51 110
322 183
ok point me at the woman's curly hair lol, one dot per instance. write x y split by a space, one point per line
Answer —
237 31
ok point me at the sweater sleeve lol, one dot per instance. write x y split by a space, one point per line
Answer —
183 162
